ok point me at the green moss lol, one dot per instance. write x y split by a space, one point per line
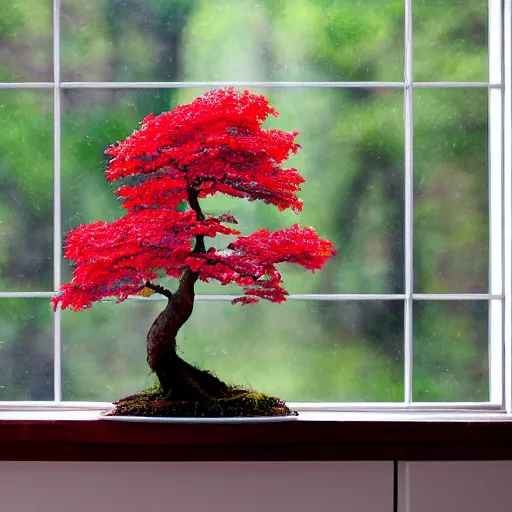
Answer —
238 403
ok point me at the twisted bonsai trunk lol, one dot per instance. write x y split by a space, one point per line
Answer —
179 380
185 390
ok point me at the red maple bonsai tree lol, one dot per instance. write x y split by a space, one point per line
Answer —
213 145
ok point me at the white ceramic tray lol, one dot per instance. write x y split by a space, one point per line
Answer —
146 419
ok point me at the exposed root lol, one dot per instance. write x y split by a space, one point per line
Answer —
182 382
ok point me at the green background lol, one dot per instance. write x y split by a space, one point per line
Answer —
352 159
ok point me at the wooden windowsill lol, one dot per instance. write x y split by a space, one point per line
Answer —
314 436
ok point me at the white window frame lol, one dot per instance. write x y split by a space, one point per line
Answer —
500 222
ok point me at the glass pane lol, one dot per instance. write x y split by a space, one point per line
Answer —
450 40
232 40
352 159
294 350
451 351
107 362
26 190
451 217
26 349
26 41
302 350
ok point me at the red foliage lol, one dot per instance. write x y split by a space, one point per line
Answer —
250 261
215 144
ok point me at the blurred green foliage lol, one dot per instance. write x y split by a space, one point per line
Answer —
352 158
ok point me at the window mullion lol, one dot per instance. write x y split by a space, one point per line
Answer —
57 228
495 204
409 191
507 199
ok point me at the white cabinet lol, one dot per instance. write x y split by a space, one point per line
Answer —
254 486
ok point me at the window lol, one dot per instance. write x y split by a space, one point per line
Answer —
404 112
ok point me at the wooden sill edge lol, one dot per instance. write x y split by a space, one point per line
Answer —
308 438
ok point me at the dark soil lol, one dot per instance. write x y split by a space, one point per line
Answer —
235 403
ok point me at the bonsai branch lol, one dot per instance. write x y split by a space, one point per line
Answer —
234 268
193 201
159 289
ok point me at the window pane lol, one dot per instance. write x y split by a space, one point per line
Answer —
352 159
26 349
451 351
319 351
26 190
104 350
26 41
451 217
302 350
232 40
450 40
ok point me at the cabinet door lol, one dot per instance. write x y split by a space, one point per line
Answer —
456 486
195 486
